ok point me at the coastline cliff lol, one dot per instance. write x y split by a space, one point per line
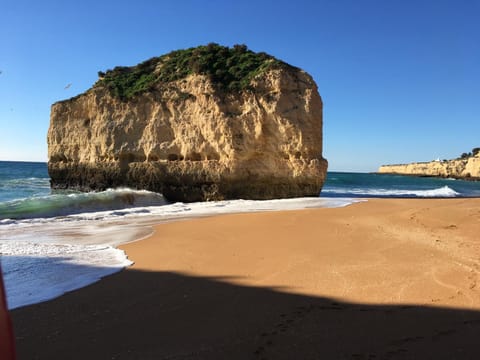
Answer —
467 167
205 123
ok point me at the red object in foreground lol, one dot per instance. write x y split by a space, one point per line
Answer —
7 345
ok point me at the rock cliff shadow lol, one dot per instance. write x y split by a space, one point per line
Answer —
164 315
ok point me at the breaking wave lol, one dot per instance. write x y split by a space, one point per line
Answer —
441 192
76 203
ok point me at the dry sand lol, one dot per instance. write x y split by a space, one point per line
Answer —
383 279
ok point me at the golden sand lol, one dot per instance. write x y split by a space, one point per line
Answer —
380 279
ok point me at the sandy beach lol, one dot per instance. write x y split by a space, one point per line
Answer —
381 279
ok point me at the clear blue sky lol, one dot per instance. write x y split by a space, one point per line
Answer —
400 79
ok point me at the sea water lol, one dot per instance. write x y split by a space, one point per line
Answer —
54 242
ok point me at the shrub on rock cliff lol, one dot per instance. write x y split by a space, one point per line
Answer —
229 69
474 152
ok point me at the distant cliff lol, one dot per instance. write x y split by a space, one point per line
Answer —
467 167
204 123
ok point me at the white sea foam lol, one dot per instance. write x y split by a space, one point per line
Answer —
442 192
43 258
35 272
179 209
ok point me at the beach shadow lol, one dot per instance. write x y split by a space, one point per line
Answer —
164 315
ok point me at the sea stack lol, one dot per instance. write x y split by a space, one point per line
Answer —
205 123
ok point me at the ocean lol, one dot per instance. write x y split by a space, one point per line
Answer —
55 242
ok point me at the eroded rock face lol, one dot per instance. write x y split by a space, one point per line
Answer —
192 142
468 168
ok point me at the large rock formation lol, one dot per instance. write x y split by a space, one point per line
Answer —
465 168
205 123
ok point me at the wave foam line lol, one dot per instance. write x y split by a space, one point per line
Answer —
35 272
443 192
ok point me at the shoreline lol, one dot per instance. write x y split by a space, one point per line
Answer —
444 177
106 229
280 284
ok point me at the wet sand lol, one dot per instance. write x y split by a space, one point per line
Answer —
383 279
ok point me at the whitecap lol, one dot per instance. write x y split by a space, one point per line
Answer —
442 192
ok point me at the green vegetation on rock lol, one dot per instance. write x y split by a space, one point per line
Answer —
230 69
474 152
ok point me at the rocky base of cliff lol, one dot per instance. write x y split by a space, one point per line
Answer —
177 184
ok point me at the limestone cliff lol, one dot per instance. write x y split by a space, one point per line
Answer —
465 168
195 134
